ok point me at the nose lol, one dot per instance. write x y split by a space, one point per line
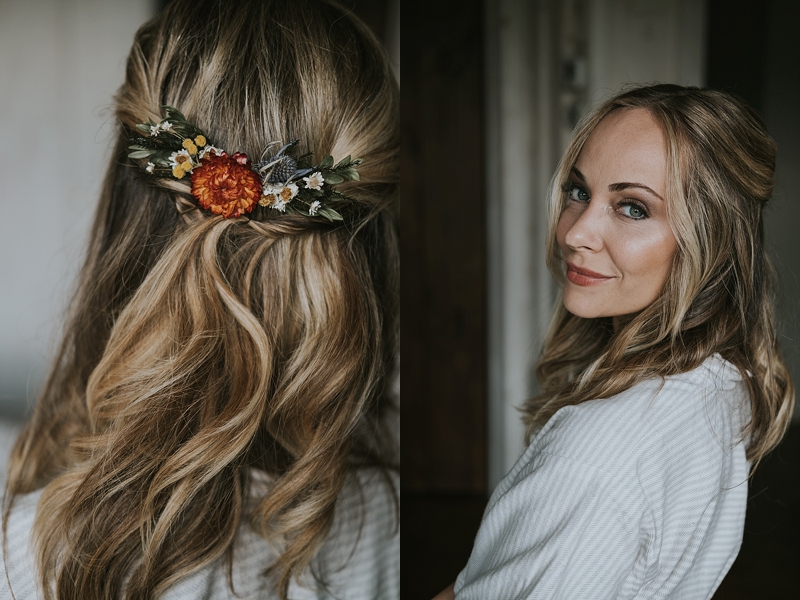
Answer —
585 230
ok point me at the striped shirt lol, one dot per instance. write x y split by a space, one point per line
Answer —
359 561
639 496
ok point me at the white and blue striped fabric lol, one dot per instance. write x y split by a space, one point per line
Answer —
359 561
639 496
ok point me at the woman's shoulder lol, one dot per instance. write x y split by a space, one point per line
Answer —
360 558
17 551
706 406
639 483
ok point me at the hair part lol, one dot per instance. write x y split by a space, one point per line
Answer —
718 296
201 349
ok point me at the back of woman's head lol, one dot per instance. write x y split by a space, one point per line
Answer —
718 295
200 348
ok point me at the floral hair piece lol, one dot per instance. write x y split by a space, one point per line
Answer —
231 185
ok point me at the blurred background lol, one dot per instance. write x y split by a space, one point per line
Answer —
493 89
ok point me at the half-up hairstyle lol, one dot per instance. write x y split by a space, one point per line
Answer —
718 297
201 350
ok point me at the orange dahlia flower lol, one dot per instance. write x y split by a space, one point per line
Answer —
226 186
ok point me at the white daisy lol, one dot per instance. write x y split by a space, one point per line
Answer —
213 149
150 167
154 129
288 192
312 210
285 192
315 181
166 126
271 189
268 200
279 204
181 156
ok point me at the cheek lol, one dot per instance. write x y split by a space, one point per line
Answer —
649 258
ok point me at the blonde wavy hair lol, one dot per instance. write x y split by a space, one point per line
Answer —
718 296
201 351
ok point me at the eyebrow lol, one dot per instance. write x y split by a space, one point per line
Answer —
578 174
618 187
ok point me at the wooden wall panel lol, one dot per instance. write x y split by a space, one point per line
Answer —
443 244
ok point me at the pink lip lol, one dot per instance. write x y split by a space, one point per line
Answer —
580 276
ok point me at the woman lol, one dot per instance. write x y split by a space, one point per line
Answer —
217 419
661 380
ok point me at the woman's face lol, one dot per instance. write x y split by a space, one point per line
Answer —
614 235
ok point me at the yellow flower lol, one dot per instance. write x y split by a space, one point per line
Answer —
267 200
189 145
178 172
200 140
187 166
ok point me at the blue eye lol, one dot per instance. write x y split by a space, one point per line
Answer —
576 192
634 210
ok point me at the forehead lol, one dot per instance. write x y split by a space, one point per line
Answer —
628 145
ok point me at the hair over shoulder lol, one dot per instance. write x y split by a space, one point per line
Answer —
718 297
201 349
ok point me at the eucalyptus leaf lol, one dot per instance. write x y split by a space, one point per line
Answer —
333 178
329 214
140 154
343 163
352 174
143 127
326 163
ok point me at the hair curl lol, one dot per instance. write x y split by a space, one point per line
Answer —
199 349
718 297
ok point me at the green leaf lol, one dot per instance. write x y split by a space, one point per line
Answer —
351 174
342 163
174 113
333 178
140 154
329 214
143 127
326 163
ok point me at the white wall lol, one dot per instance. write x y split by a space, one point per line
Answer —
645 41
60 63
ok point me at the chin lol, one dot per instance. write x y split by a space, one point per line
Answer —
583 307
598 306
586 314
